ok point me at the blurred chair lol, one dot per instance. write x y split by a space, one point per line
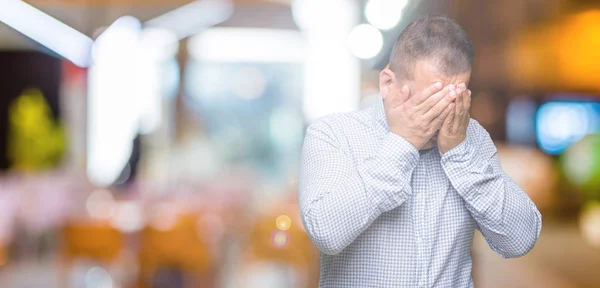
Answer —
3 255
175 247
96 241
278 236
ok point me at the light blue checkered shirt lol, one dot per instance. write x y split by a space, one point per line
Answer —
384 214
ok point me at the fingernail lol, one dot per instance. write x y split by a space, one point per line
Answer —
451 86
438 85
452 93
462 86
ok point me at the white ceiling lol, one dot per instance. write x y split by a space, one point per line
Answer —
88 18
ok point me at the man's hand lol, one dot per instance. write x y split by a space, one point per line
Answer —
454 129
417 118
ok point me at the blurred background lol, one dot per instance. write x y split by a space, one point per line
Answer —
155 143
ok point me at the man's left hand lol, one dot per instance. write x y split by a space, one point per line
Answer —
454 129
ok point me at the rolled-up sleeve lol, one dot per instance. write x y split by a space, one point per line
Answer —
506 216
339 198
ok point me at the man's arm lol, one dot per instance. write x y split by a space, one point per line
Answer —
506 216
340 199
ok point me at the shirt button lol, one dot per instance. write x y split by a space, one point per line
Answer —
419 240
417 196
420 283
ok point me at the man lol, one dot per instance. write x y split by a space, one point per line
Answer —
391 195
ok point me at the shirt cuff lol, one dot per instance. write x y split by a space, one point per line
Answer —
390 171
462 164
399 151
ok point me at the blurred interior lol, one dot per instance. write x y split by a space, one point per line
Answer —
155 143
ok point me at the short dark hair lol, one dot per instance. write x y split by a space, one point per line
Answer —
434 38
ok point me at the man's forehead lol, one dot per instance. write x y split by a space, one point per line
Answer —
426 73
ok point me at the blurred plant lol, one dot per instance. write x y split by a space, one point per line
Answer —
581 166
35 140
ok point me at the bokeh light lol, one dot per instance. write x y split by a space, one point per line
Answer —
365 41
280 239
384 14
100 204
589 224
164 216
283 222
98 278
127 217
561 123
113 115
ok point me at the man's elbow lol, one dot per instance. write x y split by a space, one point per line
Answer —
322 237
517 252
327 245
523 242
519 249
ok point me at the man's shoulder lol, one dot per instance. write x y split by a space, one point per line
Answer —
475 129
343 121
481 138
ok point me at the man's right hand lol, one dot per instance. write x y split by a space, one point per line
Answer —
417 118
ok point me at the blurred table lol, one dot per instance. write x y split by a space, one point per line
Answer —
560 259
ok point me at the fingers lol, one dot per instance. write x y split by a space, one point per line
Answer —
395 99
449 120
439 107
467 100
458 112
437 122
466 95
425 94
425 106
462 110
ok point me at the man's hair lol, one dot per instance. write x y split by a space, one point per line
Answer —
432 38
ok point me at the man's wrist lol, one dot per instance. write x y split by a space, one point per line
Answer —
418 145
458 152
394 162
399 148
447 148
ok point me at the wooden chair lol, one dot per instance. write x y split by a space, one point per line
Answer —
96 241
178 246
269 243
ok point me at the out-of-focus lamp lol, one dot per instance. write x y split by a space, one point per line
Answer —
562 55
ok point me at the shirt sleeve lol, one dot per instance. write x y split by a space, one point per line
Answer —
339 199
505 215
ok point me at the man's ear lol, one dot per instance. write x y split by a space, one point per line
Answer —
387 78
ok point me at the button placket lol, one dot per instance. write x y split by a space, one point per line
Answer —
418 222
